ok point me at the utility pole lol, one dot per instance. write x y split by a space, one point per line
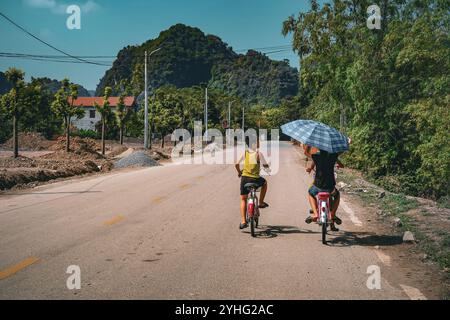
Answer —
229 115
243 118
146 106
146 135
206 114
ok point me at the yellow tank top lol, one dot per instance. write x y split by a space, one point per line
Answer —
251 165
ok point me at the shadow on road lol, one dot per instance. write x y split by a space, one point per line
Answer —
364 239
275 231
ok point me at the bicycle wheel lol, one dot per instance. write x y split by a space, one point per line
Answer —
324 233
252 226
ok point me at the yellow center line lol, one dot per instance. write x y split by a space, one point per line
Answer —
114 220
16 268
185 186
159 199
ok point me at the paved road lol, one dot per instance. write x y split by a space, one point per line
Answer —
172 233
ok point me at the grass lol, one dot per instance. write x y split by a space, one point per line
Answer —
444 202
446 240
426 213
397 205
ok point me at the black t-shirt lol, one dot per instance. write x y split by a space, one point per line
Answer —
325 163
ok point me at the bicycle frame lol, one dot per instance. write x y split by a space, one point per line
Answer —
252 214
323 205
252 204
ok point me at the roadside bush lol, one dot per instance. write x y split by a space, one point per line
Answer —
82 133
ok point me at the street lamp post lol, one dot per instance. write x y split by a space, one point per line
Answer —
206 114
146 126
243 118
229 112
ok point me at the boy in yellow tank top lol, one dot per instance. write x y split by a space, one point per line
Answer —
251 174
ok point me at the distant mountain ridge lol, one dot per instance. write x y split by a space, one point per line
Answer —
53 86
189 57
48 84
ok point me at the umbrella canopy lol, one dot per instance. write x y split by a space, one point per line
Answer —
316 134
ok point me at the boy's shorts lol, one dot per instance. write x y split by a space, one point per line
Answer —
314 191
244 180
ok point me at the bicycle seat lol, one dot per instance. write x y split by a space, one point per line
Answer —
323 195
251 185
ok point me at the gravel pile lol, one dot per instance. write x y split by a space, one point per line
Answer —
136 159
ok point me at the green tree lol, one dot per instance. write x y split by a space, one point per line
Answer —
388 88
105 112
275 117
123 115
63 107
167 111
15 78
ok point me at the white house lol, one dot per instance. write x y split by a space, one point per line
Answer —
91 115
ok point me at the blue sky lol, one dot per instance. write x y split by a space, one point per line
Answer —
109 25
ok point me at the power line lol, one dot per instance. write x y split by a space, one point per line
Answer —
49 45
267 48
271 49
66 59
13 54
47 60
277 51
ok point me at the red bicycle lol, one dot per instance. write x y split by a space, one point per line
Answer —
252 212
325 218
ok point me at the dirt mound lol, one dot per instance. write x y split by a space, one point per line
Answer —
28 172
116 150
30 177
77 145
29 141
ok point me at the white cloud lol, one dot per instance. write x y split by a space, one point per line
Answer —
60 8
41 3
89 6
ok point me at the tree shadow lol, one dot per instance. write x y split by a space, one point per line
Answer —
270 231
364 239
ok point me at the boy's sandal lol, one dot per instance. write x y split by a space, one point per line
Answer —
310 219
263 205
243 226
333 228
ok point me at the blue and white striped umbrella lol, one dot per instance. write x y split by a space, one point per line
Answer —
316 134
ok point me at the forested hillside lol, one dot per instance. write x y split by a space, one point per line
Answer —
189 57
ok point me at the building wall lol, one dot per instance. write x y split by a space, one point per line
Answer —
87 123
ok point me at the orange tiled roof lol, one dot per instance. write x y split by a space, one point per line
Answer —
89 101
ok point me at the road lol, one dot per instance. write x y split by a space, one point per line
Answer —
171 232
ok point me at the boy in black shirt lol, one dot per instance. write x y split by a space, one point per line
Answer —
324 181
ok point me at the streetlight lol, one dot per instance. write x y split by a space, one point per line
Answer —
243 118
146 145
229 112
206 114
